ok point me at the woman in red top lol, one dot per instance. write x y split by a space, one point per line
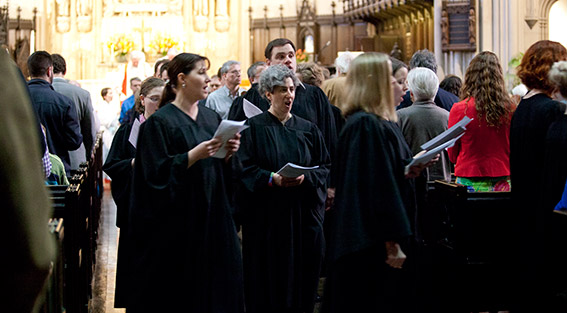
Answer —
482 155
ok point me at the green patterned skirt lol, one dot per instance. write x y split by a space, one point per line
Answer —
486 184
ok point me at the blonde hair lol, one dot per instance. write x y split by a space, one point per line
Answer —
369 86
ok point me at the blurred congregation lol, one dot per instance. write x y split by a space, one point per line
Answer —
378 157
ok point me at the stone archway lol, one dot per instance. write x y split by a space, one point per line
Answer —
545 7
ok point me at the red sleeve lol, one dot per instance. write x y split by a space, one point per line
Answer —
455 116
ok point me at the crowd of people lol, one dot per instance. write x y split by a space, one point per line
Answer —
203 233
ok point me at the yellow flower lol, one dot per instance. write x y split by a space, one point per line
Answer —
161 44
121 44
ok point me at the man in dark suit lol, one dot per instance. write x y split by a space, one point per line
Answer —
83 104
443 99
55 111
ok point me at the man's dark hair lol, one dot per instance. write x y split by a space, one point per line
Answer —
135 78
252 69
277 43
423 58
38 63
59 64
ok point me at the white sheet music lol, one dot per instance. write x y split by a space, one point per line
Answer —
226 130
133 139
294 170
250 110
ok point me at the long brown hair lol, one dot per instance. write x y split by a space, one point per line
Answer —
181 63
484 81
369 86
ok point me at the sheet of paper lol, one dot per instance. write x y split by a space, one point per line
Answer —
426 157
294 170
453 132
133 139
250 110
226 130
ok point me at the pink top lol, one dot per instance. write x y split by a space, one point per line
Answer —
483 151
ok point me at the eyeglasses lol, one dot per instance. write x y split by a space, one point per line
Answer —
154 98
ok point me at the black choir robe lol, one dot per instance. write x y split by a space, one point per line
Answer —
185 248
310 103
374 203
528 130
118 166
236 112
554 177
282 228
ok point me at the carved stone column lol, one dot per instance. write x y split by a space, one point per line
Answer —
222 18
63 15
84 15
200 15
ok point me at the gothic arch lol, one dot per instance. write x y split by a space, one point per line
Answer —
545 7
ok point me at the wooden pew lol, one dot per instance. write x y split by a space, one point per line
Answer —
79 205
472 248
55 283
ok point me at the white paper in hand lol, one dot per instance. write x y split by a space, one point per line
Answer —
133 139
455 131
294 170
226 130
250 110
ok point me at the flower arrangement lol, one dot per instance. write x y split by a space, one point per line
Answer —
121 45
161 44
300 56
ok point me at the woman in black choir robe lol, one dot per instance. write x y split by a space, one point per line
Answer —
119 164
374 209
185 251
282 218
554 177
529 127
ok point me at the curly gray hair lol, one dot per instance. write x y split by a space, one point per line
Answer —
273 76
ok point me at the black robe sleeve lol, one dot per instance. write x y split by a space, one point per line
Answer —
118 166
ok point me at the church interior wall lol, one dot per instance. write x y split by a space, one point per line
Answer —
502 27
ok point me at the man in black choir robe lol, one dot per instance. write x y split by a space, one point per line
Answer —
185 251
374 203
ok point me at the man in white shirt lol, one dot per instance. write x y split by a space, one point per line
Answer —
221 99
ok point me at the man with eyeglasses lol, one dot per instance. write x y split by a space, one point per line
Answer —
221 99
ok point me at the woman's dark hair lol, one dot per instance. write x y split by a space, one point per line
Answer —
181 63
158 65
452 84
396 65
147 86
104 91
536 62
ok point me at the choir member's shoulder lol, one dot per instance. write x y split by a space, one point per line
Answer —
303 124
207 112
312 90
263 118
368 122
